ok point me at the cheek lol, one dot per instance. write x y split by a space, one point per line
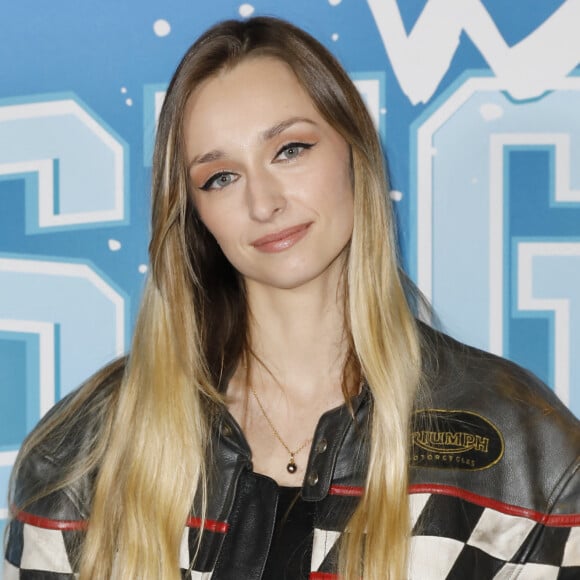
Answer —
343 198
344 213
339 169
219 233
347 219
209 214
223 227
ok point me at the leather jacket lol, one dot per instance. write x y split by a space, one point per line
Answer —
494 485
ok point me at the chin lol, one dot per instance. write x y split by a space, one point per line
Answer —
293 279
282 282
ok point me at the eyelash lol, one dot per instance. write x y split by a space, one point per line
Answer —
208 185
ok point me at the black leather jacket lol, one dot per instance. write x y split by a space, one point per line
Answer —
495 485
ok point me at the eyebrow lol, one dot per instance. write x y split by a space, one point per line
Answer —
266 135
281 127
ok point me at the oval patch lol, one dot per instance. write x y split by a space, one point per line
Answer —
454 440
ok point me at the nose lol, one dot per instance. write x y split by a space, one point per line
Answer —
265 195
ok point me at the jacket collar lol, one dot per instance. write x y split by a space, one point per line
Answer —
339 450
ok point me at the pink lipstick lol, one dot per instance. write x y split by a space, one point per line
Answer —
282 240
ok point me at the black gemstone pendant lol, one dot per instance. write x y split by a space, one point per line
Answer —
291 467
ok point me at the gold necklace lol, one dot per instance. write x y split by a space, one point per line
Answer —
291 467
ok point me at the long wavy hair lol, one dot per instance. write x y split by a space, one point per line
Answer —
192 332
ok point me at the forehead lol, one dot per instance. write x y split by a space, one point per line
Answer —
246 99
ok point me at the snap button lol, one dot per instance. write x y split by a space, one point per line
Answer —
321 446
312 478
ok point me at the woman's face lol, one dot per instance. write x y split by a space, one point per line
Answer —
270 177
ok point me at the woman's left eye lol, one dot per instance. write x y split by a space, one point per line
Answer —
292 150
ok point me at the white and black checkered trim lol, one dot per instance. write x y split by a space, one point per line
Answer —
490 540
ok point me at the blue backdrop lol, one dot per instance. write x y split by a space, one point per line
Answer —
477 105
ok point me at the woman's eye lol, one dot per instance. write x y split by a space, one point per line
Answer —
292 150
218 181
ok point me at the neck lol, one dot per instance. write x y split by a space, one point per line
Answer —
299 337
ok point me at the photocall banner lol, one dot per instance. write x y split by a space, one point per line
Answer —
477 104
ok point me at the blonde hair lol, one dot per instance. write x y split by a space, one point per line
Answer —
186 345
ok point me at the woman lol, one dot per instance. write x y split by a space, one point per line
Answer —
277 371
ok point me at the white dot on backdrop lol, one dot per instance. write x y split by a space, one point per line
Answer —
246 10
129 102
335 36
114 245
161 27
124 90
143 268
396 195
334 2
383 110
491 111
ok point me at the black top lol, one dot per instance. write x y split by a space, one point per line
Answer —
291 549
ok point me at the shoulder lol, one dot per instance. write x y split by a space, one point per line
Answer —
457 373
54 469
495 430
52 481
495 469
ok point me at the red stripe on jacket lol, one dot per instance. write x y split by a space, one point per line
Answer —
81 525
555 520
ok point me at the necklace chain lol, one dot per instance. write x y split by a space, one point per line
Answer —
291 467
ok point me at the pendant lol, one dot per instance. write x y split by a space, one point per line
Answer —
291 467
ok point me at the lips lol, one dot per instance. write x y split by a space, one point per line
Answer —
281 240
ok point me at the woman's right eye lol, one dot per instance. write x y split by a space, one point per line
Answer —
219 181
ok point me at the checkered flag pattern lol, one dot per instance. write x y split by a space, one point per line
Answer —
483 544
487 543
